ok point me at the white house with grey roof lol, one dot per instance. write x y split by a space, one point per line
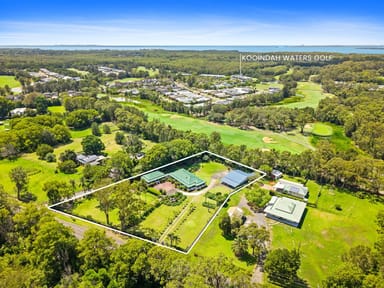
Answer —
291 188
285 210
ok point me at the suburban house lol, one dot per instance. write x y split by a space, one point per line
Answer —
291 188
187 179
19 111
235 178
89 159
285 210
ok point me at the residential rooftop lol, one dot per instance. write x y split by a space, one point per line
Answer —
286 210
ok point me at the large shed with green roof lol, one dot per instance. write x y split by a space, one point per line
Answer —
285 210
153 177
187 179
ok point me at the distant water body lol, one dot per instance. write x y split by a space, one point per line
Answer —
251 49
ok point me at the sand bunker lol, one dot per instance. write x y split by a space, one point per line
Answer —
269 140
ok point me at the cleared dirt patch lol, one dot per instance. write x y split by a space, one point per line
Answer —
168 187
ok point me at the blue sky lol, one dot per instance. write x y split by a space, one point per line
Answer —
191 22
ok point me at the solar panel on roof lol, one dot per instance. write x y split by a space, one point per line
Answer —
294 189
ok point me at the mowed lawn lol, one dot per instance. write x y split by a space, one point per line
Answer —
10 81
293 142
161 216
57 109
322 130
208 169
213 244
89 208
309 93
192 223
40 172
327 233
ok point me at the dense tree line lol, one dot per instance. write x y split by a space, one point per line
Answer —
28 133
37 251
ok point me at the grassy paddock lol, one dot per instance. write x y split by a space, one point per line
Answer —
327 233
42 172
10 81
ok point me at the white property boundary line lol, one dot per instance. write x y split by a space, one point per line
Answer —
263 174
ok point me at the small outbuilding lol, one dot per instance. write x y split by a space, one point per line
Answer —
235 178
276 174
285 210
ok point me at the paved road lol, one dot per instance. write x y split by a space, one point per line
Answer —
79 231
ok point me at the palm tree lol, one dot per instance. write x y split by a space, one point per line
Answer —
174 239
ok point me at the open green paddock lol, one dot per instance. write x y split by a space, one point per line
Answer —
293 141
39 171
42 171
160 217
326 233
10 81
89 208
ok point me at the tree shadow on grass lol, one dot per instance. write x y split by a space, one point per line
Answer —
287 283
249 259
28 197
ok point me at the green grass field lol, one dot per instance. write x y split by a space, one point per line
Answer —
89 207
327 233
159 218
321 130
151 72
10 81
191 224
44 172
213 244
308 94
57 109
293 142
338 138
129 79
206 170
